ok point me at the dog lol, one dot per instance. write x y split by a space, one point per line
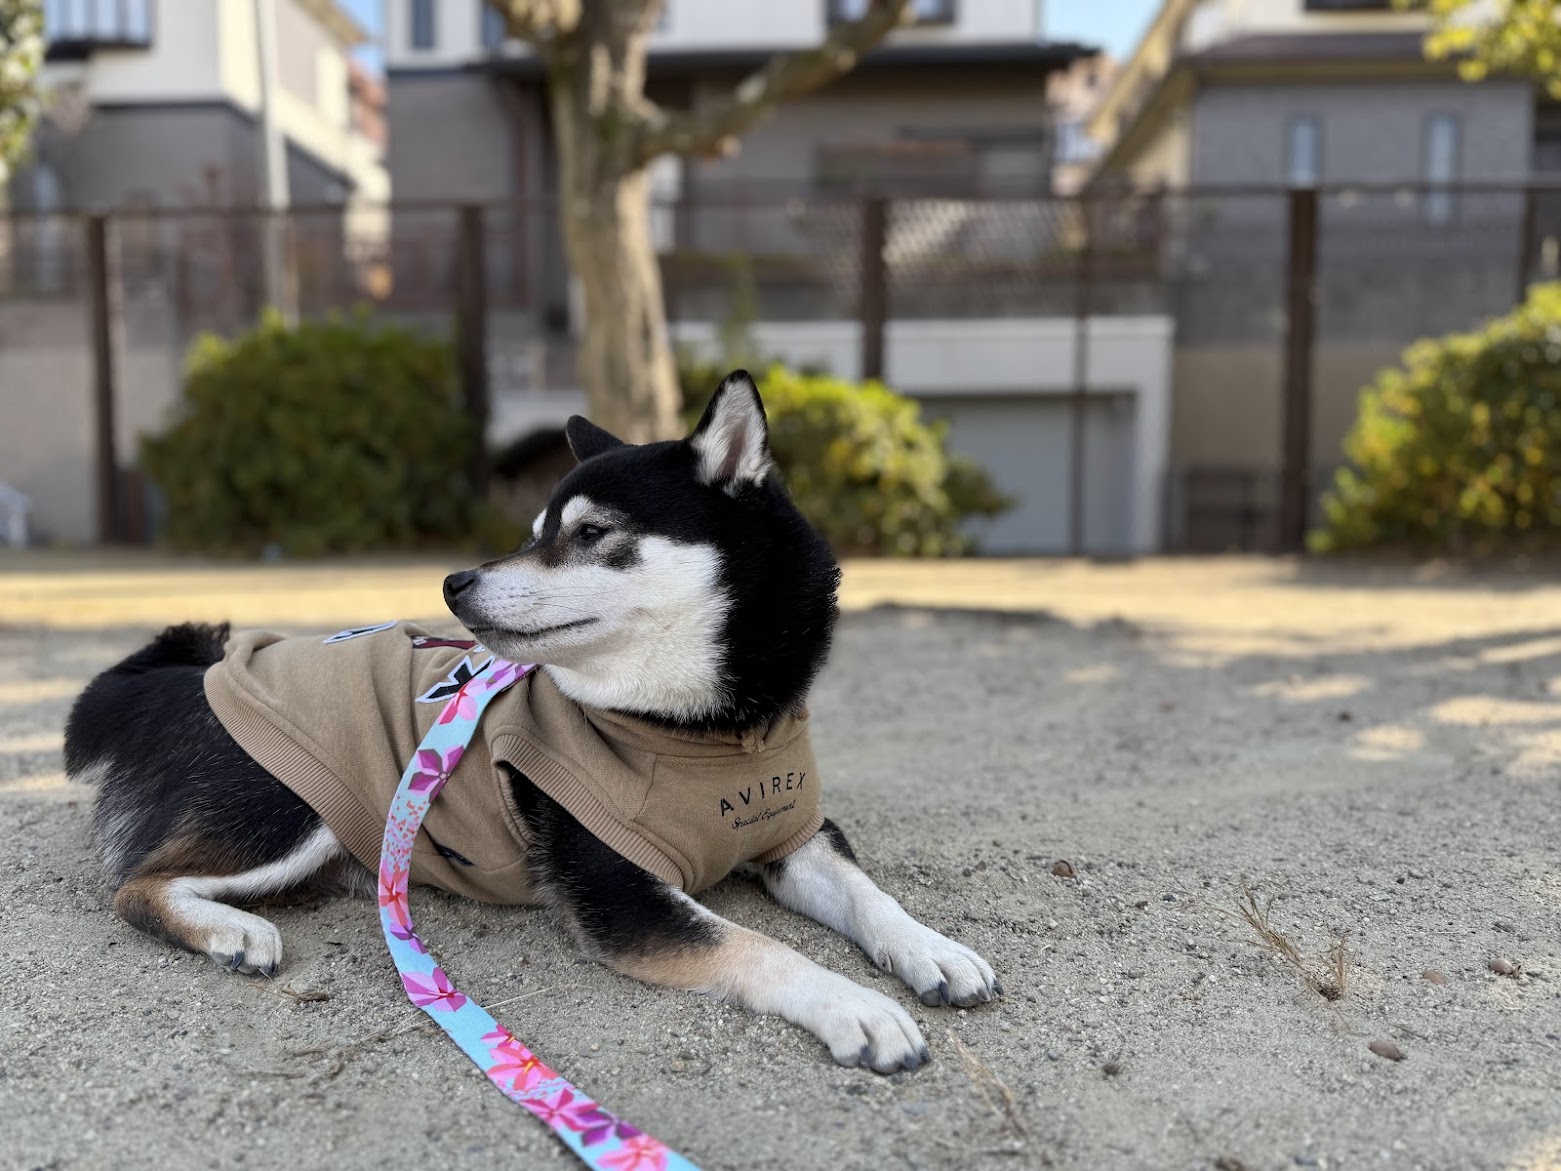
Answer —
672 585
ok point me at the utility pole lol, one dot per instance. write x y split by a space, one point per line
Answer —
273 170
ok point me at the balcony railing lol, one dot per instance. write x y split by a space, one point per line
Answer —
75 28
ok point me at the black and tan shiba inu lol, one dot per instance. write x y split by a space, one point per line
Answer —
670 589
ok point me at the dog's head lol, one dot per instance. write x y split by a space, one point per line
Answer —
672 580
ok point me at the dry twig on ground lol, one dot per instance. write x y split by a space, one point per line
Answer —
998 1097
1328 976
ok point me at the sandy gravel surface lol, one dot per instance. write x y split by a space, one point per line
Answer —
1378 751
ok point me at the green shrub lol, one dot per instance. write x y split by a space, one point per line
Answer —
862 464
1459 449
335 436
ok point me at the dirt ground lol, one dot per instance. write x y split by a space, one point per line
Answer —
1375 750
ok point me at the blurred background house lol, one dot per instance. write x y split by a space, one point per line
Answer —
154 105
1262 94
955 105
952 123
1096 271
152 113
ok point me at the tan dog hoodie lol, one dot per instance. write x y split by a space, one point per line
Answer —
336 720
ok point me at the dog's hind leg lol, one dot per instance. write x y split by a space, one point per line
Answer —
170 897
823 881
186 822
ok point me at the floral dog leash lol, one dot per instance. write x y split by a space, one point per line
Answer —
600 1138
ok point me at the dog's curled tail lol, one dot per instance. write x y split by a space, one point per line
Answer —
190 644
122 700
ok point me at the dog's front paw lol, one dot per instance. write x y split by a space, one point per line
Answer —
863 1027
936 968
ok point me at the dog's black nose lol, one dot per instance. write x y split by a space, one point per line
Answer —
456 582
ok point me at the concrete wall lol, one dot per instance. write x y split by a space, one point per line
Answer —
452 136
1371 131
1026 446
875 109
167 156
47 420
1226 408
1028 365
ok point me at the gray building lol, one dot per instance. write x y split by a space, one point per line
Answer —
1223 107
948 111
954 106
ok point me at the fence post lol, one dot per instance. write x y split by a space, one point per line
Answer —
1525 242
471 323
1078 403
103 312
1300 331
873 304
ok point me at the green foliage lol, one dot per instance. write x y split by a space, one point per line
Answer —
1514 36
21 53
1459 449
862 464
333 436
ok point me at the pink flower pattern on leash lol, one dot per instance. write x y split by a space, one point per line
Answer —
502 676
513 1066
434 770
601 1139
434 991
640 1153
462 705
393 892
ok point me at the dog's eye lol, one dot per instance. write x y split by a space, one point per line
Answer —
589 534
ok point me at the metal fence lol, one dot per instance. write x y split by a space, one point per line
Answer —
1283 303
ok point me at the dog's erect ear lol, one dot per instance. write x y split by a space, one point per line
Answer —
587 439
732 441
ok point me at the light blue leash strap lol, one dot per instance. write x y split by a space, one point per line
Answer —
599 1137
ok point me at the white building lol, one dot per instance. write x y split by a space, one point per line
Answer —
155 105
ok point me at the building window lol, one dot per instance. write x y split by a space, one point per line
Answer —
1441 166
922 11
1303 152
98 22
494 31
422 24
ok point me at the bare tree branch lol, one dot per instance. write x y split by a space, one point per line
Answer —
542 24
713 129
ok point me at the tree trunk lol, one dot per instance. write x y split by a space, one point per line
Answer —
606 132
626 364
